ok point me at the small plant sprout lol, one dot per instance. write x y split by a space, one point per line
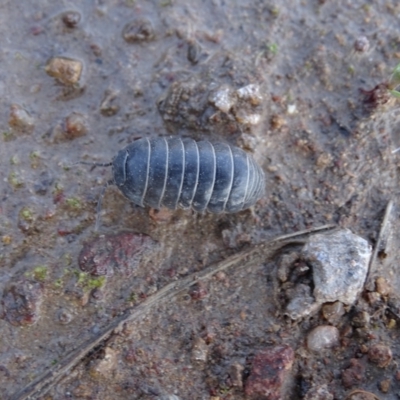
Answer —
394 82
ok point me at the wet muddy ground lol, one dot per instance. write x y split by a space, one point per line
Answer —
174 304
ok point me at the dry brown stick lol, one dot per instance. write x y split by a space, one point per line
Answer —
381 244
45 382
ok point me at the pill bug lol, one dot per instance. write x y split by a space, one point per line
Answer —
174 172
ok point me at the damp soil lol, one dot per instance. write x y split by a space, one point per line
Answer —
161 303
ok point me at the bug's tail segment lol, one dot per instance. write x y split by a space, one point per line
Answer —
256 188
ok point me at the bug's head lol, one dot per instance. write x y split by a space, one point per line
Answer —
119 167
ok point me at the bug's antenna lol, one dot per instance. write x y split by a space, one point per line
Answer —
99 204
95 164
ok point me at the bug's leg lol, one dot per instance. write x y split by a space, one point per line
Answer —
95 164
99 204
92 164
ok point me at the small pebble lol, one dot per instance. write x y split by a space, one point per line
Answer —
382 286
108 108
199 351
323 337
21 302
75 126
101 368
64 316
223 99
139 30
247 119
373 297
6 239
378 96
161 215
380 354
319 393
71 19
360 319
194 52
353 375
277 121
361 44
66 70
333 312
198 291
384 385
236 375
397 376
20 120
250 93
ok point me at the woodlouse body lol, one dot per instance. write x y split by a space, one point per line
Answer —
183 173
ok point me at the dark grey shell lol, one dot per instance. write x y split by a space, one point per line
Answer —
183 173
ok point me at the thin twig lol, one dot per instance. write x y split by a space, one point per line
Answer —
380 244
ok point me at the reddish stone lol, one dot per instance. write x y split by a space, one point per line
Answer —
377 96
122 252
354 375
21 302
268 372
198 291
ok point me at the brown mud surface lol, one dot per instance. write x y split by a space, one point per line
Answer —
173 304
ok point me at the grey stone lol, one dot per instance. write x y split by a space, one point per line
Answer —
302 304
339 262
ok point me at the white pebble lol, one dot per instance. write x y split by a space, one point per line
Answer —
323 337
250 93
222 99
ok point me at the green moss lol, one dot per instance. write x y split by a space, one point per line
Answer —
133 298
67 260
58 283
96 283
35 159
73 203
26 214
81 276
40 273
88 282
273 48
274 11
14 160
7 136
15 181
